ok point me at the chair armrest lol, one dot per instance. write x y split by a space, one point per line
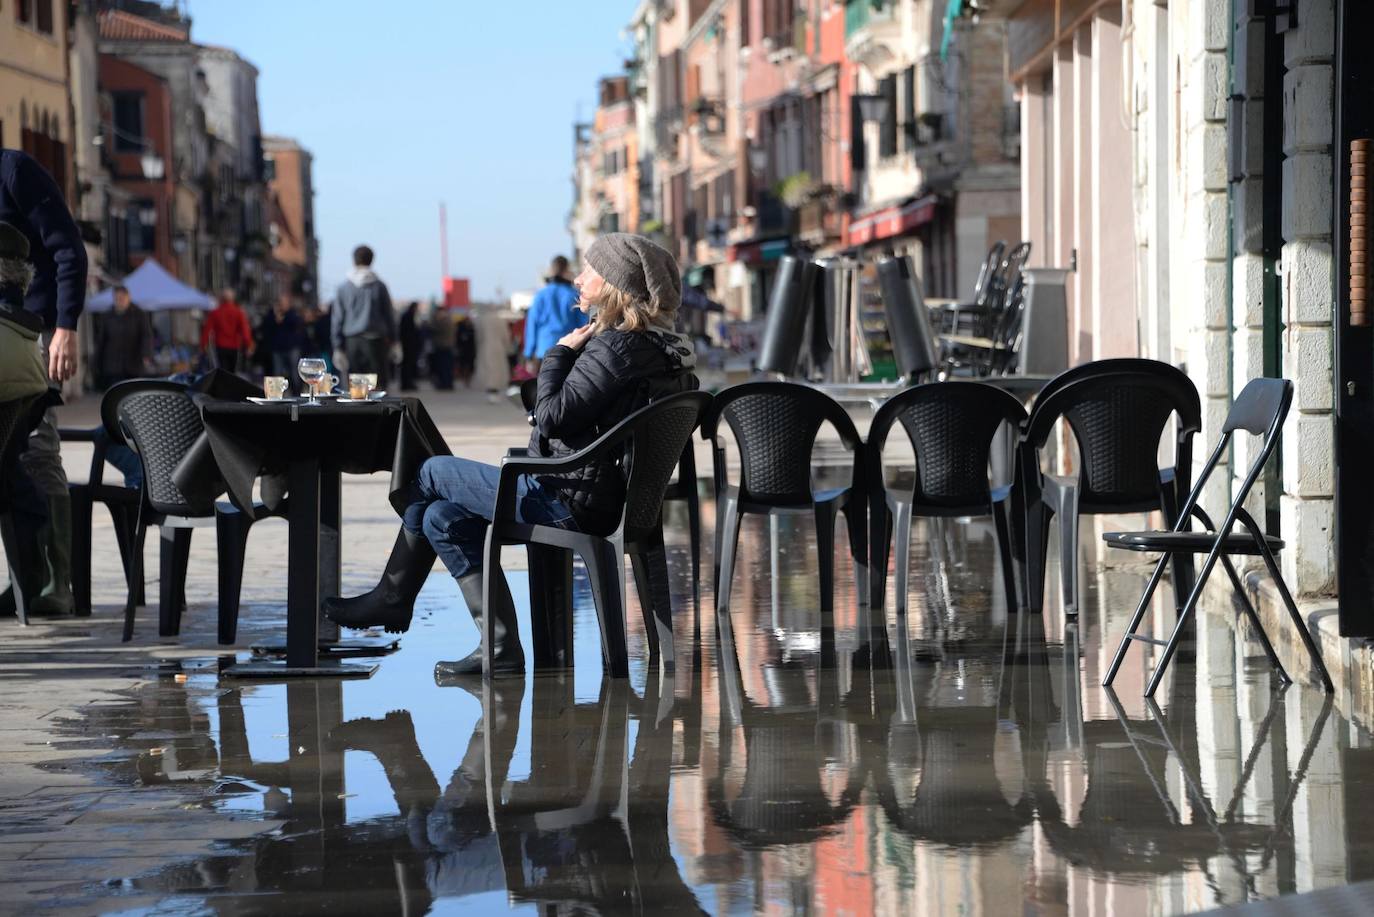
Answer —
512 466
518 452
78 434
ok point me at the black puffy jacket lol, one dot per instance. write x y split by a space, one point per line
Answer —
582 394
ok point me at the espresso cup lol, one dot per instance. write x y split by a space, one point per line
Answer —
360 385
326 384
274 387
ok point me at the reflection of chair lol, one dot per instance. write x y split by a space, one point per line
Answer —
650 443
775 426
952 426
953 771
568 832
1118 411
161 423
1225 832
787 744
1259 410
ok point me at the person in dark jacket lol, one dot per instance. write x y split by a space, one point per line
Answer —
590 380
32 202
123 342
284 337
411 344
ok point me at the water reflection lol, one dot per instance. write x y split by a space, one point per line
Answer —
786 766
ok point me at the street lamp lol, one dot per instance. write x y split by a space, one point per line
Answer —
153 166
871 107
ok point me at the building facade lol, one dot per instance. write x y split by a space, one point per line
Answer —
35 104
751 147
291 219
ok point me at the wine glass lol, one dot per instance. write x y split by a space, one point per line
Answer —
311 370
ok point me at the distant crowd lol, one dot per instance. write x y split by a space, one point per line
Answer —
360 331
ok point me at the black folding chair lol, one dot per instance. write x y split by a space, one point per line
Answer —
775 426
952 426
1259 411
649 444
1118 411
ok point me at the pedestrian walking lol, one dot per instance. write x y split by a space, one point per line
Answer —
443 339
22 382
410 346
493 345
363 326
226 337
552 314
32 203
464 349
123 342
284 337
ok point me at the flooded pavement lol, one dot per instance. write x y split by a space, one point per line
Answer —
972 764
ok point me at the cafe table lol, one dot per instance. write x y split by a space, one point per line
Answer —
313 445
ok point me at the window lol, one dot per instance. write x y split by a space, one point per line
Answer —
887 128
128 122
23 11
44 17
143 226
909 108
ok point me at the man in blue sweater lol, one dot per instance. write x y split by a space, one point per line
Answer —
31 202
551 315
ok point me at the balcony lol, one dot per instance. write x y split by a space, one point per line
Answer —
871 32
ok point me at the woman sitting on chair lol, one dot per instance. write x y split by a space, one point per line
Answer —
593 378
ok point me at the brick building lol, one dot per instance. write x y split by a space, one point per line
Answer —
291 220
35 105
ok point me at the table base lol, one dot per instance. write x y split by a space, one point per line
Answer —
263 668
364 646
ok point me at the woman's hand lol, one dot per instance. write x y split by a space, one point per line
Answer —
576 338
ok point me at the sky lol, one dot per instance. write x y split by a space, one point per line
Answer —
413 102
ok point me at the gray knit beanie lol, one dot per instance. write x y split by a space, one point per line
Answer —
638 266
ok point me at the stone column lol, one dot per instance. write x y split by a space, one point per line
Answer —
1308 300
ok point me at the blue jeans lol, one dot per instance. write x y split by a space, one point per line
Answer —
453 500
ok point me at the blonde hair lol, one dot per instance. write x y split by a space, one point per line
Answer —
619 310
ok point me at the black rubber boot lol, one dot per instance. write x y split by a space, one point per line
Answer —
56 597
391 602
507 656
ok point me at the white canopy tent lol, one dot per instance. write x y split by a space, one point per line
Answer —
152 289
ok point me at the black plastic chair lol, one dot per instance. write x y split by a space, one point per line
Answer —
775 426
649 443
1118 410
161 423
683 488
122 503
973 311
1259 410
952 426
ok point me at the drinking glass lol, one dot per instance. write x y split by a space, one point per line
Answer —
311 371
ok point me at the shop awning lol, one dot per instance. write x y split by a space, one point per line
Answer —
760 251
897 220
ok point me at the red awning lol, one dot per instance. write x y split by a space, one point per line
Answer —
897 220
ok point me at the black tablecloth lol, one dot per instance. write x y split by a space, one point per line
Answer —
243 441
